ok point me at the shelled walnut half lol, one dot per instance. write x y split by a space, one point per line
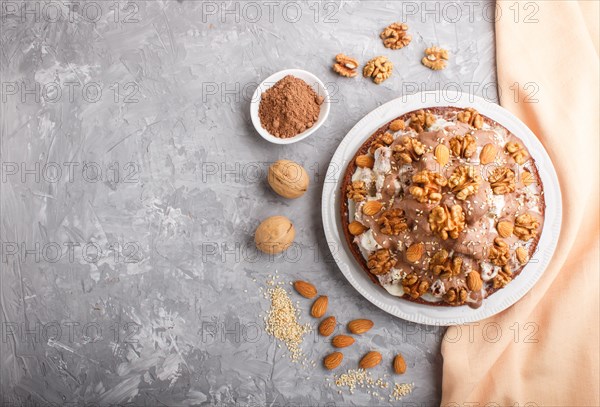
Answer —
463 146
447 222
456 295
428 186
408 150
444 266
357 191
395 36
526 226
380 262
345 66
392 222
471 117
464 181
421 121
435 58
414 286
502 181
379 68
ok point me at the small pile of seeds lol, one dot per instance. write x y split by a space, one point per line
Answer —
281 320
400 390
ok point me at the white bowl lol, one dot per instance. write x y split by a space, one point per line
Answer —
307 77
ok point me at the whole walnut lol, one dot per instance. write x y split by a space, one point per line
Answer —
288 179
274 235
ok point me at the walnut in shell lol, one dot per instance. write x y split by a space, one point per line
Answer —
288 179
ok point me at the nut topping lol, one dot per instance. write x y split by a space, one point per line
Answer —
503 277
395 36
505 228
488 154
357 191
517 152
392 222
415 252
356 228
397 125
499 253
443 266
381 262
471 117
526 226
442 154
408 150
379 68
435 58
383 140
447 222
345 66
463 146
421 120
474 282
464 181
456 296
522 255
428 186
372 207
502 181
414 286
365 161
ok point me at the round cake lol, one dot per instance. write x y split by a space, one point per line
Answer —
442 206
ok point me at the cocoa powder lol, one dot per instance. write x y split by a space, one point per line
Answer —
289 107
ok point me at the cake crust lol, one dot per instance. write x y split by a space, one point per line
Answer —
406 253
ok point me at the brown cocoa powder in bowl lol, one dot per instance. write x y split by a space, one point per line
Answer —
289 107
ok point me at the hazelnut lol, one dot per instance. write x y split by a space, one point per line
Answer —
288 179
274 235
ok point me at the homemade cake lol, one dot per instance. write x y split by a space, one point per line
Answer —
442 206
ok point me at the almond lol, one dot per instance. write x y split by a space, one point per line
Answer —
397 124
399 364
415 252
488 154
356 228
307 290
474 282
360 326
442 154
319 307
365 161
370 360
372 207
333 360
327 326
522 255
342 341
505 228
527 178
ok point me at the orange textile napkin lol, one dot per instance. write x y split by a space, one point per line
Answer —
547 352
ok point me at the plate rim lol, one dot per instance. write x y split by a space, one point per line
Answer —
427 314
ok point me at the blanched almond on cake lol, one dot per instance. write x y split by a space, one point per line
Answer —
415 252
442 154
399 364
365 161
356 228
474 282
333 360
505 228
370 360
522 255
360 326
488 154
372 207
319 307
342 341
327 326
307 290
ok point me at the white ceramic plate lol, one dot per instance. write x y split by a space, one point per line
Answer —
425 314
307 77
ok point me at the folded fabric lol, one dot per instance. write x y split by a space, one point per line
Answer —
544 349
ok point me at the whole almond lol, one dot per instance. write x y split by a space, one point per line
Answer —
370 360
360 326
415 252
442 154
488 154
372 207
522 255
319 307
356 228
397 124
399 364
505 228
527 178
333 360
307 290
327 326
474 282
342 341
365 161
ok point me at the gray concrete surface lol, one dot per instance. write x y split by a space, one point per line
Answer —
132 182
